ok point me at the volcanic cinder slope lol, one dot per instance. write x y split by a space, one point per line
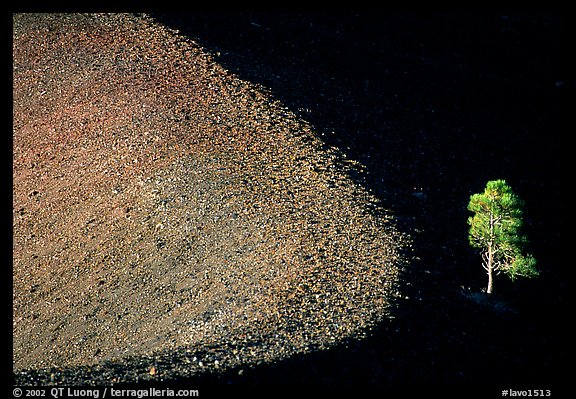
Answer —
162 204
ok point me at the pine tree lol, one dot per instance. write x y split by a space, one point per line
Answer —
495 229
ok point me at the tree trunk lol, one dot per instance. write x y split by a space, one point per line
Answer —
490 256
490 280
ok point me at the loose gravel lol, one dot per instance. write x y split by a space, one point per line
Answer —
172 219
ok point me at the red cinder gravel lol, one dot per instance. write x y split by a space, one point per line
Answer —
162 204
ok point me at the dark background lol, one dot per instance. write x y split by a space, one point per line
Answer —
435 105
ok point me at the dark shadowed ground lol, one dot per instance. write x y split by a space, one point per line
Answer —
435 105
